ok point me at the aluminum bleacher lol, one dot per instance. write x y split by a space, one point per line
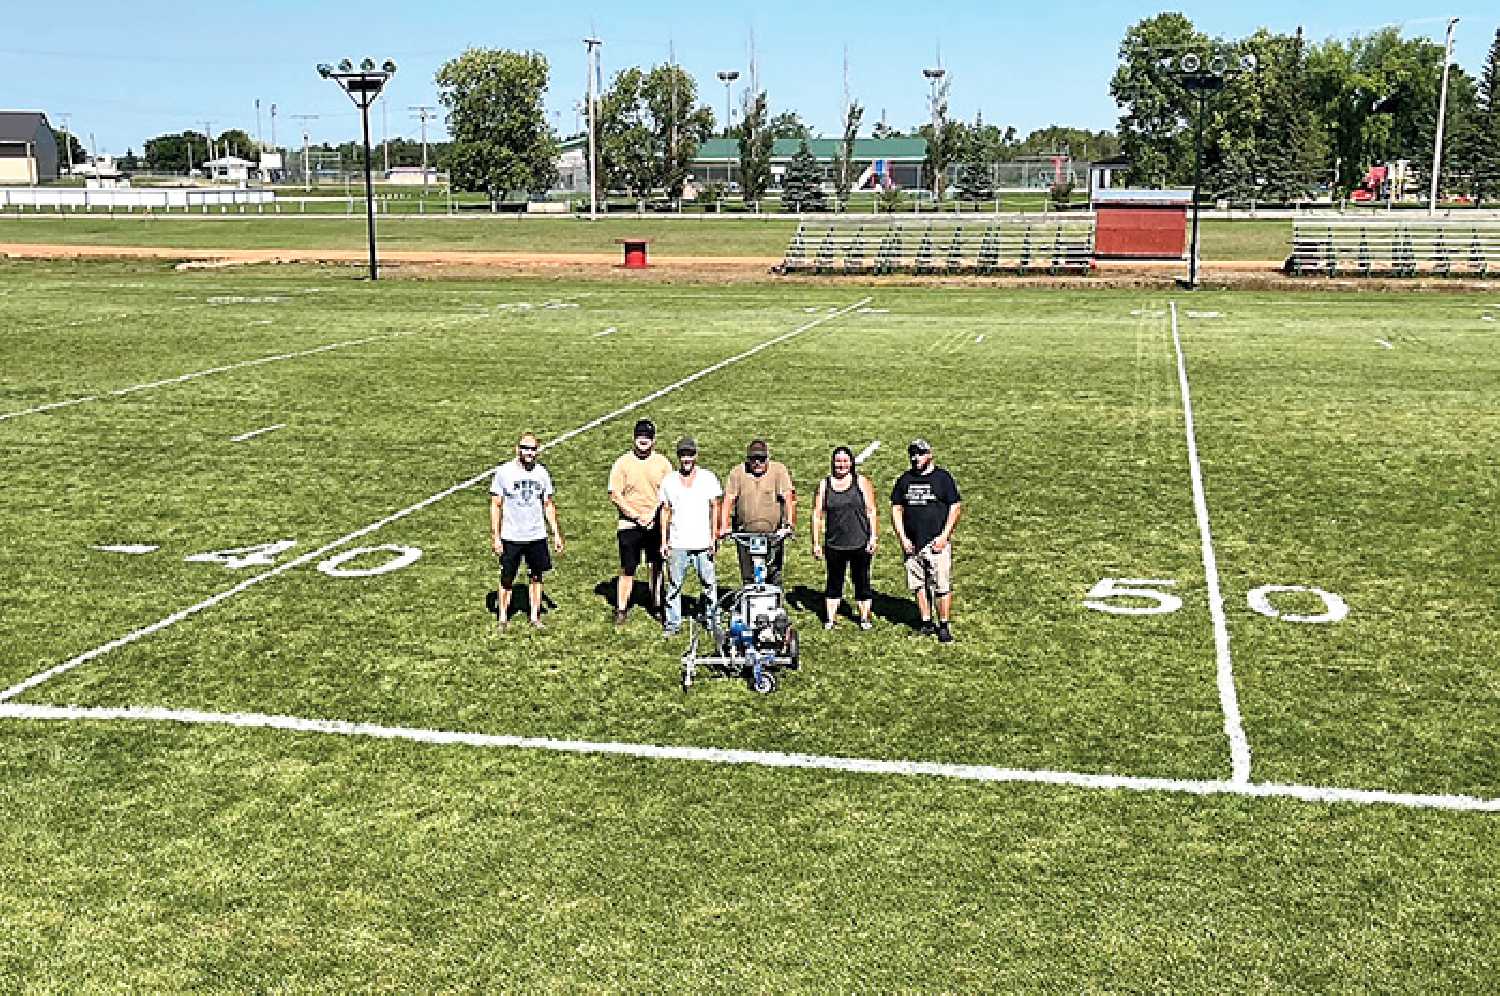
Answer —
990 244
1400 247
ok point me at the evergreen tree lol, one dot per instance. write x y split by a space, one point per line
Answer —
1487 127
755 150
976 180
802 187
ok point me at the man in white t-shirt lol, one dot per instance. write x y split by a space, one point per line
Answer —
689 514
521 509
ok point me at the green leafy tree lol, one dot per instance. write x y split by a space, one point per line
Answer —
943 139
883 130
788 125
1487 127
802 186
1154 111
844 163
650 130
176 153
501 142
64 140
755 150
234 142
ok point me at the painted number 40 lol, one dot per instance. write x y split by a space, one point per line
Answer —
265 554
1104 596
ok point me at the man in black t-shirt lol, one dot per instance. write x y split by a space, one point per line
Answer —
925 507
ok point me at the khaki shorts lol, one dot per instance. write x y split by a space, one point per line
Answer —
924 565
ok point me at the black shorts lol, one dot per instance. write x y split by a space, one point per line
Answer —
538 558
635 542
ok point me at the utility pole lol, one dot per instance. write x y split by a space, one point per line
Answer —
1437 141
260 146
306 152
424 111
934 77
593 47
274 146
208 136
672 131
385 138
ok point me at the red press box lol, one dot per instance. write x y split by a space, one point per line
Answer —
1141 224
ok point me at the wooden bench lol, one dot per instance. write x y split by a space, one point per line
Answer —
1061 244
1396 247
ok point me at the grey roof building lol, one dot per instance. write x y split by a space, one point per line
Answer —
28 149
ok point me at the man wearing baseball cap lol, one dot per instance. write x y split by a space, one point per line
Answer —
689 512
925 508
635 488
759 498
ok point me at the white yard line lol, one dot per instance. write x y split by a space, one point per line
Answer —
1234 729
322 551
134 549
609 331
867 452
756 758
258 361
257 432
1384 343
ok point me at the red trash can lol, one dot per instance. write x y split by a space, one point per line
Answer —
635 252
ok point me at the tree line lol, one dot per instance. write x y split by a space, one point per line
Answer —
1311 117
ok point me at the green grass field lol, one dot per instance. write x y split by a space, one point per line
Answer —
1222 240
178 819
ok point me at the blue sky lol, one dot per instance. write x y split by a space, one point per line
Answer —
125 72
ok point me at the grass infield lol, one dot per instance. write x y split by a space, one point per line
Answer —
1346 444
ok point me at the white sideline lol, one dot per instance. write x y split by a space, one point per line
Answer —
867 452
1384 343
765 759
208 603
1234 728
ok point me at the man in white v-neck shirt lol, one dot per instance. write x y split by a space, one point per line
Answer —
689 516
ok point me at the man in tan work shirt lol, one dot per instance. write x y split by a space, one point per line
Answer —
635 488
759 498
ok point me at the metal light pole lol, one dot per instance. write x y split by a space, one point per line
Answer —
593 52
68 140
363 87
424 111
727 77
1437 141
1203 83
934 77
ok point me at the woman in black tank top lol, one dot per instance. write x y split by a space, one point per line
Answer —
844 529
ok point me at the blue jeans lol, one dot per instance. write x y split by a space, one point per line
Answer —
702 562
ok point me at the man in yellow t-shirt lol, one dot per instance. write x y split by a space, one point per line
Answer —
759 498
635 488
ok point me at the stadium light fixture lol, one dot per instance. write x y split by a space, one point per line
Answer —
363 87
1202 83
727 77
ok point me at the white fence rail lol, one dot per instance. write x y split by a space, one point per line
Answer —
129 198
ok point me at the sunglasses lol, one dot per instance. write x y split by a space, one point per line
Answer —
758 458
527 449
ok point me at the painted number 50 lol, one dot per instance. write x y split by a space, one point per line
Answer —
1141 588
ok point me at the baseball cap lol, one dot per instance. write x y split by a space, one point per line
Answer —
645 427
758 448
687 444
918 445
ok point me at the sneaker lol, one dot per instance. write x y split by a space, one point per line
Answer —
538 624
928 628
944 634
828 624
866 625
619 617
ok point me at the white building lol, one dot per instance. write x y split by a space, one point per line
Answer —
229 169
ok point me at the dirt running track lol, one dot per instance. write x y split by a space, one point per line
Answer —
430 263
